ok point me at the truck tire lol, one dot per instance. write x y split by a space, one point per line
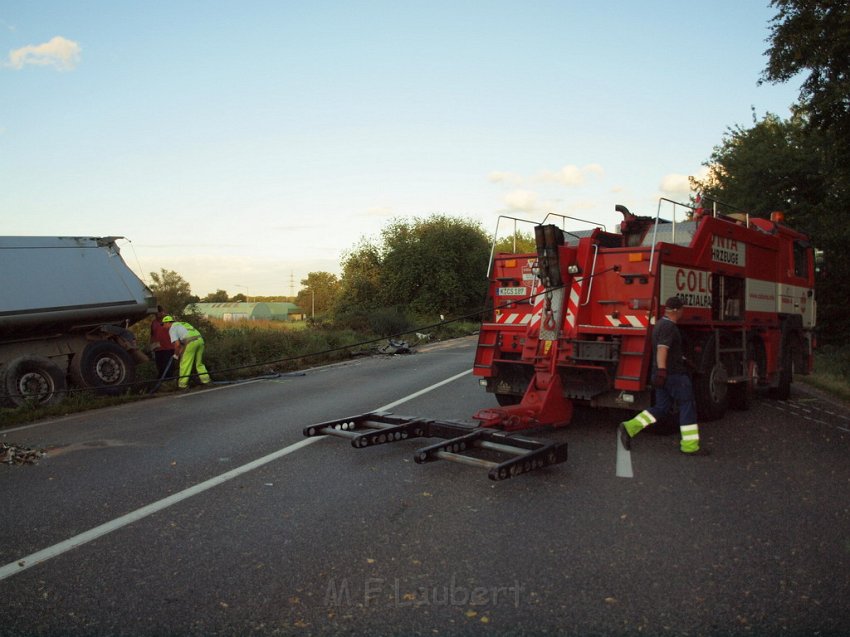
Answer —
34 380
506 400
103 366
513 379
741 394
782 391
710 384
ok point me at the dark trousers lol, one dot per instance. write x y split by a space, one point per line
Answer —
161 358
677 389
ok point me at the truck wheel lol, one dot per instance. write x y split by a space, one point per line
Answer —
710 384
104 367
506 400
741 394
34 380
513 381
786 375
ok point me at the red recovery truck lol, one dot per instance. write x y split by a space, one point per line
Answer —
572 323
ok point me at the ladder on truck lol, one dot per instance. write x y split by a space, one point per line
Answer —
504 455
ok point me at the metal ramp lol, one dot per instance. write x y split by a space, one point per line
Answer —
503 455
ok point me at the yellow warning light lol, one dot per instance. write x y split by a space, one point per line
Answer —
635 256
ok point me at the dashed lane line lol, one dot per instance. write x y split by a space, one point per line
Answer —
624 460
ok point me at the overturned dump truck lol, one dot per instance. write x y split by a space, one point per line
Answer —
571 323
64 312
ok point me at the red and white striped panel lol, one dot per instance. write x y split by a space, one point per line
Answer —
628 320
539 302
573 301
513 318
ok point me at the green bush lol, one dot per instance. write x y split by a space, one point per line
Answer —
832 369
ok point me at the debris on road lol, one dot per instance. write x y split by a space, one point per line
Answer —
395 347
13 454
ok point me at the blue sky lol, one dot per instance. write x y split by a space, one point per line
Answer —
245 144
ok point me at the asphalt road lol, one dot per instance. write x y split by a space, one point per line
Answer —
210 514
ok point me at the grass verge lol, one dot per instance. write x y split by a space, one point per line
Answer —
832 372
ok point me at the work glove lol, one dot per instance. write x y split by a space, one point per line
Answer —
659 378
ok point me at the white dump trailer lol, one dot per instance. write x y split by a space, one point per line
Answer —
65 306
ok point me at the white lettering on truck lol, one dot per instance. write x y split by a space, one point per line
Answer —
692 286
728 251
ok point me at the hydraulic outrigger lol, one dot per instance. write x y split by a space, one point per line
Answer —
503 454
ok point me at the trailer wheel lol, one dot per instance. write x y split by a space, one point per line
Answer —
104 367
34 380
710 384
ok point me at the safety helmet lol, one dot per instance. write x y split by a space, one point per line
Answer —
168 318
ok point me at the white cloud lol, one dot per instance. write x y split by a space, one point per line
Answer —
521 200
501 177
59 52
571 175
676 184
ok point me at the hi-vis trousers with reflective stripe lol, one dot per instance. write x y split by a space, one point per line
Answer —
192 357
677 390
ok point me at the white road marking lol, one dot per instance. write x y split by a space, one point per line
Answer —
793 407
624 460
424 391
43 555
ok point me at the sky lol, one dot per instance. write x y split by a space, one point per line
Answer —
245 144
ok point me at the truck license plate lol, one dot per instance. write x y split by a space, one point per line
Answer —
515 291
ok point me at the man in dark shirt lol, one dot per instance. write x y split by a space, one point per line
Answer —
671 382
161 345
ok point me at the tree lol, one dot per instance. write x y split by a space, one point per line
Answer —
319 293
172 291
814 36
435 265
360 283
516 243
432 266
219 296
774 165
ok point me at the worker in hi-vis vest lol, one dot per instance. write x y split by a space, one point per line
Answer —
188 349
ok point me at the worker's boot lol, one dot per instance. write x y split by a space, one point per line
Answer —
690 440
630 428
